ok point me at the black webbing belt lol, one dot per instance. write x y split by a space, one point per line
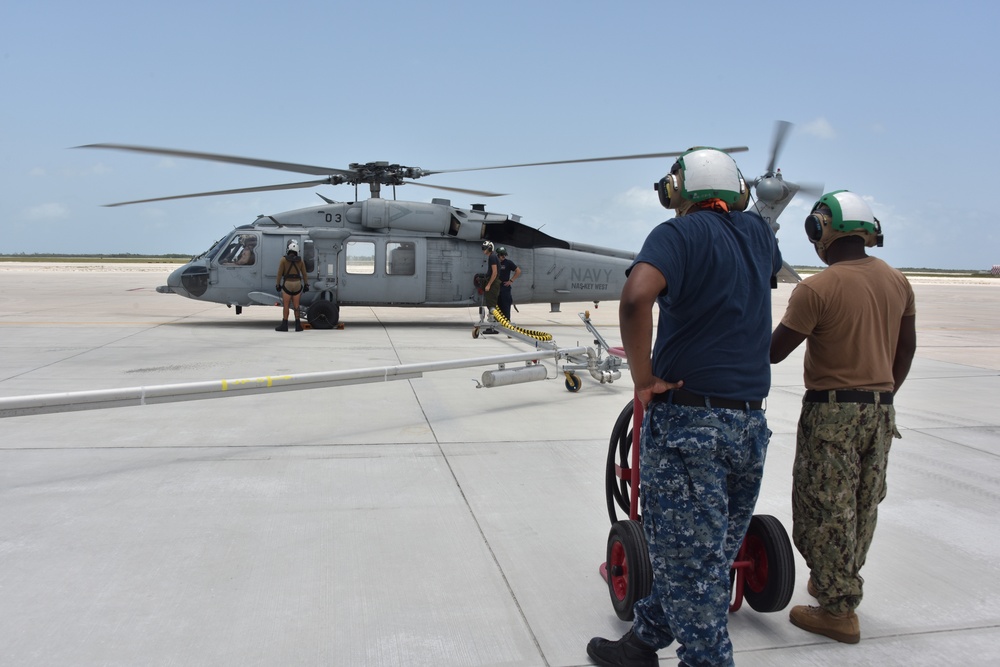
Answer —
848 396
693 400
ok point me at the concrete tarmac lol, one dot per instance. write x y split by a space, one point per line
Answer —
422 521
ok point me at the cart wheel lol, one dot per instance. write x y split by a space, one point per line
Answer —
475 332
573 382
630 576
771 575
618 490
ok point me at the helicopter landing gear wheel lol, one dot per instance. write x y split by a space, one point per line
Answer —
630 576
573 382
475 332
770 577
323 314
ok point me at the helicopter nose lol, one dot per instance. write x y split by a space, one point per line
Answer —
190 280
173 285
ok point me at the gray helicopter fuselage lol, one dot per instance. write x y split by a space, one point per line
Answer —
382 252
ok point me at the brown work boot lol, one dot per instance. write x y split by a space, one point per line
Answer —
843 627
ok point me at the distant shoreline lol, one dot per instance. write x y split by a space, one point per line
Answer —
123 258
101 266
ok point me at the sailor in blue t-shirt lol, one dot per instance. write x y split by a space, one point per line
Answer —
702 383
508 273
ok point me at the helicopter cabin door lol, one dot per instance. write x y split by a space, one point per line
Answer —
383 271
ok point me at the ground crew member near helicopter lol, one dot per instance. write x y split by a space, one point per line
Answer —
508 272
704 434
292 281
491 288
491 284
858 318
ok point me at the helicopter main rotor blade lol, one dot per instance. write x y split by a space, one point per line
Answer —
814 190
372 173
231 159
736 149
481 193
261 188
781 129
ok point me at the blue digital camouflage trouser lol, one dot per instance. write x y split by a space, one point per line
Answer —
838 481
700 472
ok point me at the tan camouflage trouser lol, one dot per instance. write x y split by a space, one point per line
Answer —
838 480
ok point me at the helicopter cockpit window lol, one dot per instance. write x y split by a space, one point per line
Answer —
240 251
400 259
211 252
360 257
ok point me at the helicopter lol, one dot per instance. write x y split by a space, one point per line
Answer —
381 252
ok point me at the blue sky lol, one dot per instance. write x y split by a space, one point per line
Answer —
894 101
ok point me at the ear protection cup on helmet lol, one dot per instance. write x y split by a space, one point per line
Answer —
879 237
669 187
744 198
815 223
661 191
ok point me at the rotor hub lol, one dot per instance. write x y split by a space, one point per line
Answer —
383 173
771 189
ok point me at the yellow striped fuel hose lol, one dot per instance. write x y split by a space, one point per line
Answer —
537 335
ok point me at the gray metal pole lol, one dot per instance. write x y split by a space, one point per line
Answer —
17 406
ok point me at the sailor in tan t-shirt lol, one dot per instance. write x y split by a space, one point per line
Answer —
858 320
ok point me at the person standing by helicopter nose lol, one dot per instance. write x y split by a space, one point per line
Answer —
292 281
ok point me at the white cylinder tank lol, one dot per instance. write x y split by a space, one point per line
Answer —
504 377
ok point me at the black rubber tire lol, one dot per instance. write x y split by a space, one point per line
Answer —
618 490
573 383
323 314
630 576
771 577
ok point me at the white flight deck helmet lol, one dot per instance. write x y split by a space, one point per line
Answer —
293 246
701 174
487 246
838 214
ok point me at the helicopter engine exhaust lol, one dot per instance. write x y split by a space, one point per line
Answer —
509 376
